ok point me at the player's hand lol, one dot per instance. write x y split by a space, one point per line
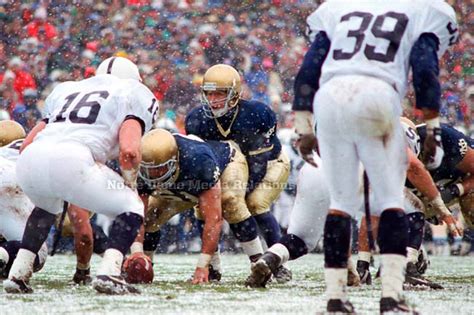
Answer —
82 277
433 152
454 229
449 193
307 144
201 275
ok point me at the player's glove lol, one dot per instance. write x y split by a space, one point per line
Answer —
307 144
443 213
433 152
450 192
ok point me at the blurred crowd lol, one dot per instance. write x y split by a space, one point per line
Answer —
43 43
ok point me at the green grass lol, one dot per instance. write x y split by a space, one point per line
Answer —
170 293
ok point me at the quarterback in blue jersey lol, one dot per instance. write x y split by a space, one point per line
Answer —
181 172
252 125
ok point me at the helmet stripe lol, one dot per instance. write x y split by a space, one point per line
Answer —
109 67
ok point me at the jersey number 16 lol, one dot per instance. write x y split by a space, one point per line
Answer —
90 109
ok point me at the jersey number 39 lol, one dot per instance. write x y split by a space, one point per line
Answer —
394 36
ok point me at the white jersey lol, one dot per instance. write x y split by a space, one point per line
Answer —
11 151
375 37
91 112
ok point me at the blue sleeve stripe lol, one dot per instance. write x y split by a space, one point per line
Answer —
425 67
307 79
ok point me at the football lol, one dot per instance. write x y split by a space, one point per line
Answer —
138 268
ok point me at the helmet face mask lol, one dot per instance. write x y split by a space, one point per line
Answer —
220 78
159 166
161 174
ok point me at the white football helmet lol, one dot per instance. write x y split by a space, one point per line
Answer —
411 135
120 67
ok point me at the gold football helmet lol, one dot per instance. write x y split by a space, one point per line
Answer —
159 158
10 131
223 78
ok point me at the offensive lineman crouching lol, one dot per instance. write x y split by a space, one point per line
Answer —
181 172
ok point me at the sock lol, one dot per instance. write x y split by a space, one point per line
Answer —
22 267
393 232
416 226
252 248
124 230
269 227
392 275
281 251
100 239
365 256
246 230
337 240
37 229
295 246
136 247
336 283
111 264
412 255
81 266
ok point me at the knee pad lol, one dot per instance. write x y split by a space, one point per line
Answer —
393 232
337 240
295 245
416 224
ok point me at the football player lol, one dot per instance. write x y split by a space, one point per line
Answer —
311 207
356 73
15 207
419 178
455 175
252 126
87 122
181 172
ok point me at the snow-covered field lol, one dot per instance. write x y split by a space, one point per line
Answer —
171 294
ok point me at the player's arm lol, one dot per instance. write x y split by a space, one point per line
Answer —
210 206
425 67
305 87
130 135
423 182
30 137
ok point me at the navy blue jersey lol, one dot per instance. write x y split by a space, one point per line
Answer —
251 124
455 145
199 168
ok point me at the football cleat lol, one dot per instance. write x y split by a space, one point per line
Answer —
82 277
262 269
113 285
414 278
214 275
364 272
282 274
390 305
16 286
340 307
423 261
